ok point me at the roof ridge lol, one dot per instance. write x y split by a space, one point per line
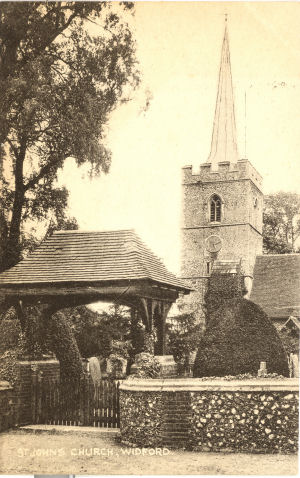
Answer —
82 231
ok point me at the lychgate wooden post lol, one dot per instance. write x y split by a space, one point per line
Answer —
161 313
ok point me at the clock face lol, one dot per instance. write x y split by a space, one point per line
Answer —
213 243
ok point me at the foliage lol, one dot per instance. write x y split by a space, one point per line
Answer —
289 340
8 366
95 334
117 364
221 288
238 337
59 84
121 348
32 343
63 344
281 223
238 333
100 334
183 336
149 341
10 330
145 366
44 335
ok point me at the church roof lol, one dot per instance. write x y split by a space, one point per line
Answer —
79 256
224 142
276 284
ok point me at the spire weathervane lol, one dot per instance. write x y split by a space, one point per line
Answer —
224 143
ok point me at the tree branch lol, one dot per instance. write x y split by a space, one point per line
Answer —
13 147
43 172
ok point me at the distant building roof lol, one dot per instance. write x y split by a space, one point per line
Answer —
292 323
276 284
79 256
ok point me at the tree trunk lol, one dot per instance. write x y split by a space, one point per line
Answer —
12 247
3 236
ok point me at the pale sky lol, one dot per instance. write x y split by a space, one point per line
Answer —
179 47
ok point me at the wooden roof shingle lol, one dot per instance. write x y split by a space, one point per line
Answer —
80 256
276 284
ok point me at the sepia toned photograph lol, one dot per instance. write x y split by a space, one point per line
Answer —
149 238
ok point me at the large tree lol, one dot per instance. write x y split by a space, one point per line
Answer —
281 223
59 83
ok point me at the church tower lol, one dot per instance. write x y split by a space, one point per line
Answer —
222 203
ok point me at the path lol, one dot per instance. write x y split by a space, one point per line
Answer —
46 453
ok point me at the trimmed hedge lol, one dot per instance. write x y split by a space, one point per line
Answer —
238 337
65 347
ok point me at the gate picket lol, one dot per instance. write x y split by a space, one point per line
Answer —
100 403
115 403
65 403
110 409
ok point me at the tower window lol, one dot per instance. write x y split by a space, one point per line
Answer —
215 209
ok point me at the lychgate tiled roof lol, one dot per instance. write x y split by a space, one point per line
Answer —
79 256
276 284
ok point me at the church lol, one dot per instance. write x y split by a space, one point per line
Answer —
222 202
222 221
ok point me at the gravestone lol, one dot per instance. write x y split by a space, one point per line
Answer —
94 369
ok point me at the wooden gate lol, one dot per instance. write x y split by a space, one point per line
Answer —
83 404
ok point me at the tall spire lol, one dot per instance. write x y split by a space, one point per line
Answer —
223 143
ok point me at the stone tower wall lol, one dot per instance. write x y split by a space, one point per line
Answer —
240 229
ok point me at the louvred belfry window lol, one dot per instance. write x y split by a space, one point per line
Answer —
215 209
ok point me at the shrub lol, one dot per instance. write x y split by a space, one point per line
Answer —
239 335
146 366
10 331
8 366
65 347
183 336
116 366
34 343
221 288
95 332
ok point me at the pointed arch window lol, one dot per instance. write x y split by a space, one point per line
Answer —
215 209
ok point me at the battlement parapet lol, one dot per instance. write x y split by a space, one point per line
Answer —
226 171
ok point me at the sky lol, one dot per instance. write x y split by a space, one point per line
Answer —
178 48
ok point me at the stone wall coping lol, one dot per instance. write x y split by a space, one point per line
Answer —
5 385
194 385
